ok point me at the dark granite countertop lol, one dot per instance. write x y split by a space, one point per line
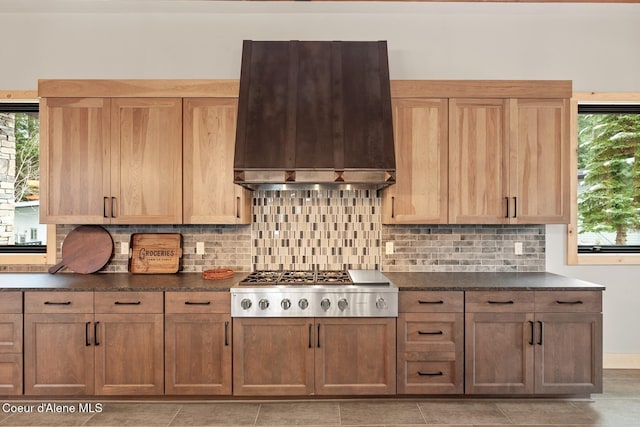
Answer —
488 281
194 282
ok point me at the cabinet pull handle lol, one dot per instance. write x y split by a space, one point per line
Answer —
238 207
541 332
87 338
197 303
393 207
113 207
506 215
430 374
515 207
318 335
569 302
127 303
310 333
430 333
104 207
226 333
500 302
532 337
95 333
57 303
430 302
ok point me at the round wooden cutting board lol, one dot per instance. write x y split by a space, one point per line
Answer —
86 249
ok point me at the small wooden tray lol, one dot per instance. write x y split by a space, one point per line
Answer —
154 253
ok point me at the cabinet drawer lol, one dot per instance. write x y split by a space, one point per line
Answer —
10 333
430 333
11 302
416 376
58 302
499 301
430 302
129 302
197 302
568 301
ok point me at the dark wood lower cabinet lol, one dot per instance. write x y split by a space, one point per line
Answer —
304 356
11 344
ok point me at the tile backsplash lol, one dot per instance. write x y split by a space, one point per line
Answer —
336 229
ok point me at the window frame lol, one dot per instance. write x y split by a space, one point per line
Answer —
17 258
573 256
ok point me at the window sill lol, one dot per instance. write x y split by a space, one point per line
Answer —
606 259
35 259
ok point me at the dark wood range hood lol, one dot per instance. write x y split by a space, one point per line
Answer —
314 112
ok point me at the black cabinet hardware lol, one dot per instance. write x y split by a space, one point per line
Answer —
197 303
95 333
570 302
310 333
430 333
541 332
226 333
113 207
515 207
87 338
430 374
531 341
57 303
104 207
238 207
393 207
430 302
500 302
127 302
318 335
506 215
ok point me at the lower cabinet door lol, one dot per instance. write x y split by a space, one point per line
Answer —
11 374
58 354
197 354
273 356
129 354
499 353
568 353
355 356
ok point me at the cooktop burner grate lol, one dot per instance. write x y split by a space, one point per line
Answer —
296 277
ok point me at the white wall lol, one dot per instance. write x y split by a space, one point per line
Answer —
595 45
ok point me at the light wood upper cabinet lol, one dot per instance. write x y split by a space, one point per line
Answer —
210 196
540 173
478 161
421 140
146 166
74 160
111 161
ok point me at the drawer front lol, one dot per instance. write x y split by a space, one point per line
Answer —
420 377
58 302
499 301
197 302
568 301
430 333
10 333
129 302
11 302
430 302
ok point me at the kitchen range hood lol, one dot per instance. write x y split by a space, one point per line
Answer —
314 112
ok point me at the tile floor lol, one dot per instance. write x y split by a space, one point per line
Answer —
618 406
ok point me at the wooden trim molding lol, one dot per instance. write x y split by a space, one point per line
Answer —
481 89
18 95
138 88
573 258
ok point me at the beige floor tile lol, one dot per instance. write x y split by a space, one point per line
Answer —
548 412
298 413
373 412
217 414
38 413
613 412
135 414
462 412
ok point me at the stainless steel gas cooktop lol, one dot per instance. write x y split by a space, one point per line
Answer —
323 293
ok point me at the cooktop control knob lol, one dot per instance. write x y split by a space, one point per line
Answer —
263 303
303 303
285 304
381 304
343 304
245 304
325 304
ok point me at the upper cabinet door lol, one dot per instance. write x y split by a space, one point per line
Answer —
478 161
146 166
540 174
210 196
74 160
419 195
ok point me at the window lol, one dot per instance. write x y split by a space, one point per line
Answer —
23 240
605 226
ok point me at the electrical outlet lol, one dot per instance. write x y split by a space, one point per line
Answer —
124 248
517 248
388 249
200 248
